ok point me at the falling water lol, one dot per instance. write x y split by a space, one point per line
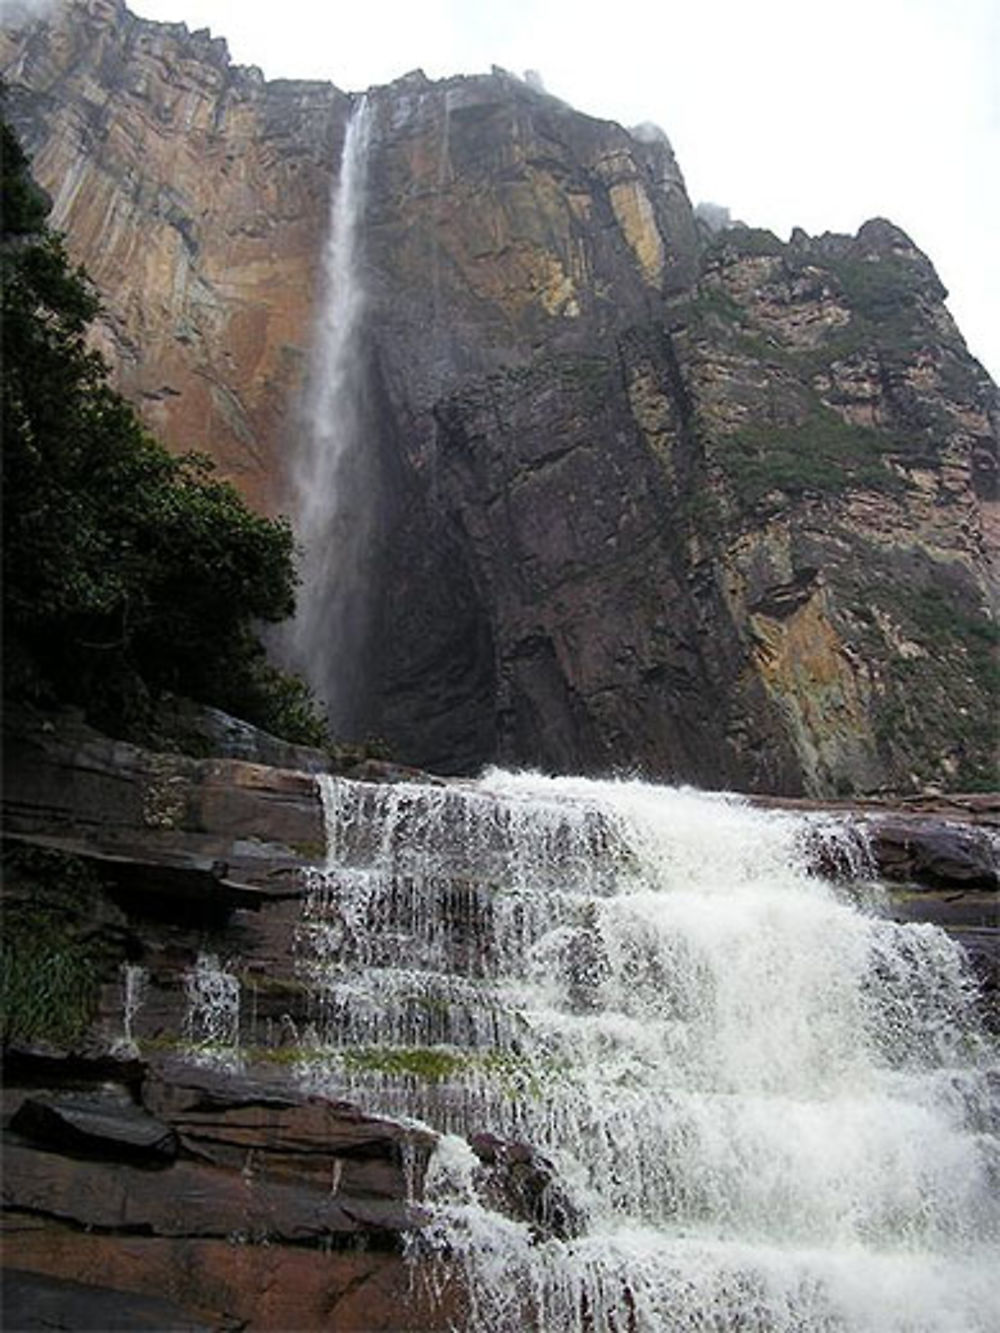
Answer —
133 981
770 1103
212 1012
333 471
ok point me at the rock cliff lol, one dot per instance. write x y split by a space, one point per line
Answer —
707 505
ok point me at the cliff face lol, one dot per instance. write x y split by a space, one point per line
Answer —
196 196
712 506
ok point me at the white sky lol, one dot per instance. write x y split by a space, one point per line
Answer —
789 112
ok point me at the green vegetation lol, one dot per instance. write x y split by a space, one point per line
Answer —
935 711
824 454
711 301
443 1064
127 571
53 957
877 290
747 242
428 1064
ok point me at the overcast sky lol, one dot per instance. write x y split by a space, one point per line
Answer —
788 112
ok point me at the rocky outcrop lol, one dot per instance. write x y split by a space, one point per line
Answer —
518 1181
235 1199
194 863
708 506
159 1169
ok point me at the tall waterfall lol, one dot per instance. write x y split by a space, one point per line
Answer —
768 1103
333 472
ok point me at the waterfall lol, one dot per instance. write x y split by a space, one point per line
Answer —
768 1103
333 469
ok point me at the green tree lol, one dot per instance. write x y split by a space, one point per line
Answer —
127 570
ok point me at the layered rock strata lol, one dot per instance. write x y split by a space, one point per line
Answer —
709 506
160 1170
181 1198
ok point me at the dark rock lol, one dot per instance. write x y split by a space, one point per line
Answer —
96 1124
226 1118
938 842
35 1301
163 823
935 851
204 732
257 1160
517 1180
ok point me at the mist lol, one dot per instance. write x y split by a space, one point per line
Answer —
14 12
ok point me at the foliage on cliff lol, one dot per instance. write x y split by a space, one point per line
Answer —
127 571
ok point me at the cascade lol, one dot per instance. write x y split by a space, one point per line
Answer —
333 472
767 1103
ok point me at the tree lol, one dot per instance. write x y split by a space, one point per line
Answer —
127 570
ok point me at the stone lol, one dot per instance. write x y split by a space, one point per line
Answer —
97 1124
520 1182
230 1120
281 1211
34 1301
176 822
228 1285
935 852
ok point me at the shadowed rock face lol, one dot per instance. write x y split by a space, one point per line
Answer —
710 506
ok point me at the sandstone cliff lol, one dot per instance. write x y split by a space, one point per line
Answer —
712 506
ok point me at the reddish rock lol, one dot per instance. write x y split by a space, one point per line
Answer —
220 827
233 1285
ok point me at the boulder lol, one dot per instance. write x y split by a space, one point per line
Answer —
205 1187
96 1124
517 1180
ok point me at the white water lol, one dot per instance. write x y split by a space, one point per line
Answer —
212 1012
771 1103
134 979
333 468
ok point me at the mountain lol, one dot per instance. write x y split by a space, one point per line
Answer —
654 497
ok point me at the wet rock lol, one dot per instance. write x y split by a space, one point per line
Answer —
278 1135
223 1157
198 1200
229 1285
97 1124
35 1301
517 1180
935 851
159 823
945 842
